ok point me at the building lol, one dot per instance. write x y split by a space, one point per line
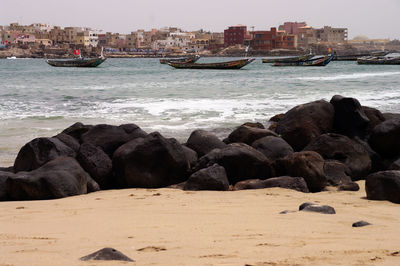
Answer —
235 35
332 35
306 36
292 27
264 40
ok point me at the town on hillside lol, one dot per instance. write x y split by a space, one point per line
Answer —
41 40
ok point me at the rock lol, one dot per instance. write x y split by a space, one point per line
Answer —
395 165
203 142
272 147
384 185
7 169
107 254
191 156
341 148
306 164
150 162
246 134
210 178
351 186
240 161
288 182
59 178
97 163
254 124
350 119
109 138
312 207
303 123
3 178
39 151
389 116
374 116
276 118
360 224
77 130
384 138
336 173
68 140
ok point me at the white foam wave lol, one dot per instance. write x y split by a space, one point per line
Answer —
351 76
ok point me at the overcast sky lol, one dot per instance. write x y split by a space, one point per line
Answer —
373 18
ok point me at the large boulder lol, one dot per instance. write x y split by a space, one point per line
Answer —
336 173
203 142
77 130
3 178
68 140
39 151
109 137
341 148
384 185
248 134
384 138
58 178
240 162
289 182
150 162
97 163
374 116
303 123
210 178
350 119
306 164
272 147
191 156
395 165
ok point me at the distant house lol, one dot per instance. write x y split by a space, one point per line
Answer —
235 35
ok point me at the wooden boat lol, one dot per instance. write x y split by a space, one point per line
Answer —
287 58
189 59
320 60
236 64
379 60
77 62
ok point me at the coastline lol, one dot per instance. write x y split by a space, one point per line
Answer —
168 226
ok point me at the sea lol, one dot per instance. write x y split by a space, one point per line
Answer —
37 100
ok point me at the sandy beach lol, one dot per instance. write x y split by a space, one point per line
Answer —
175 227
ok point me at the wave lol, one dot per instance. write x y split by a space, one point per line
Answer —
351 76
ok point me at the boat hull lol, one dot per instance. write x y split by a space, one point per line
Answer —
237 64
319 61
191 59
90 62
287 59
378 61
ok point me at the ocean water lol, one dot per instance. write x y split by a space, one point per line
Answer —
37 100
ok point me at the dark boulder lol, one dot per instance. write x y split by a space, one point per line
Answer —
7 169
210 178
254 124
68 140
384 138
341 148
247 135
109 137
389 116
150 162
58 178
312 207
203 142
240 161
374 116
97 163
336 173
3 178
191 156
351 186
303 123
306 164
272 147
350 119
294 183
395 165
40 151
107 254
384 185
276 118
77 130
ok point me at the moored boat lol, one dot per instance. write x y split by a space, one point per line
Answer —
189 59
320 60
287 58
236 64
390 59
77 62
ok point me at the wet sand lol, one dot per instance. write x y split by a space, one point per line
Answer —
174 227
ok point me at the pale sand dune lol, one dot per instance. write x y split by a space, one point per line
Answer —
174 227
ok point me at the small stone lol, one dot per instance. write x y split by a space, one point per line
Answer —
311 207
106 254
360 224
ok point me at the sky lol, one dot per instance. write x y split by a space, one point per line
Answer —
371 18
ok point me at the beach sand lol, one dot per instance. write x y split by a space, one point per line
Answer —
174 227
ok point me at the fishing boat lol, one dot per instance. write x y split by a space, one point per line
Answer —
236 64
320 60
390 59
11 57
77 62
188 59
287 58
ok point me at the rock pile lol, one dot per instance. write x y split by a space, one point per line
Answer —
311 146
